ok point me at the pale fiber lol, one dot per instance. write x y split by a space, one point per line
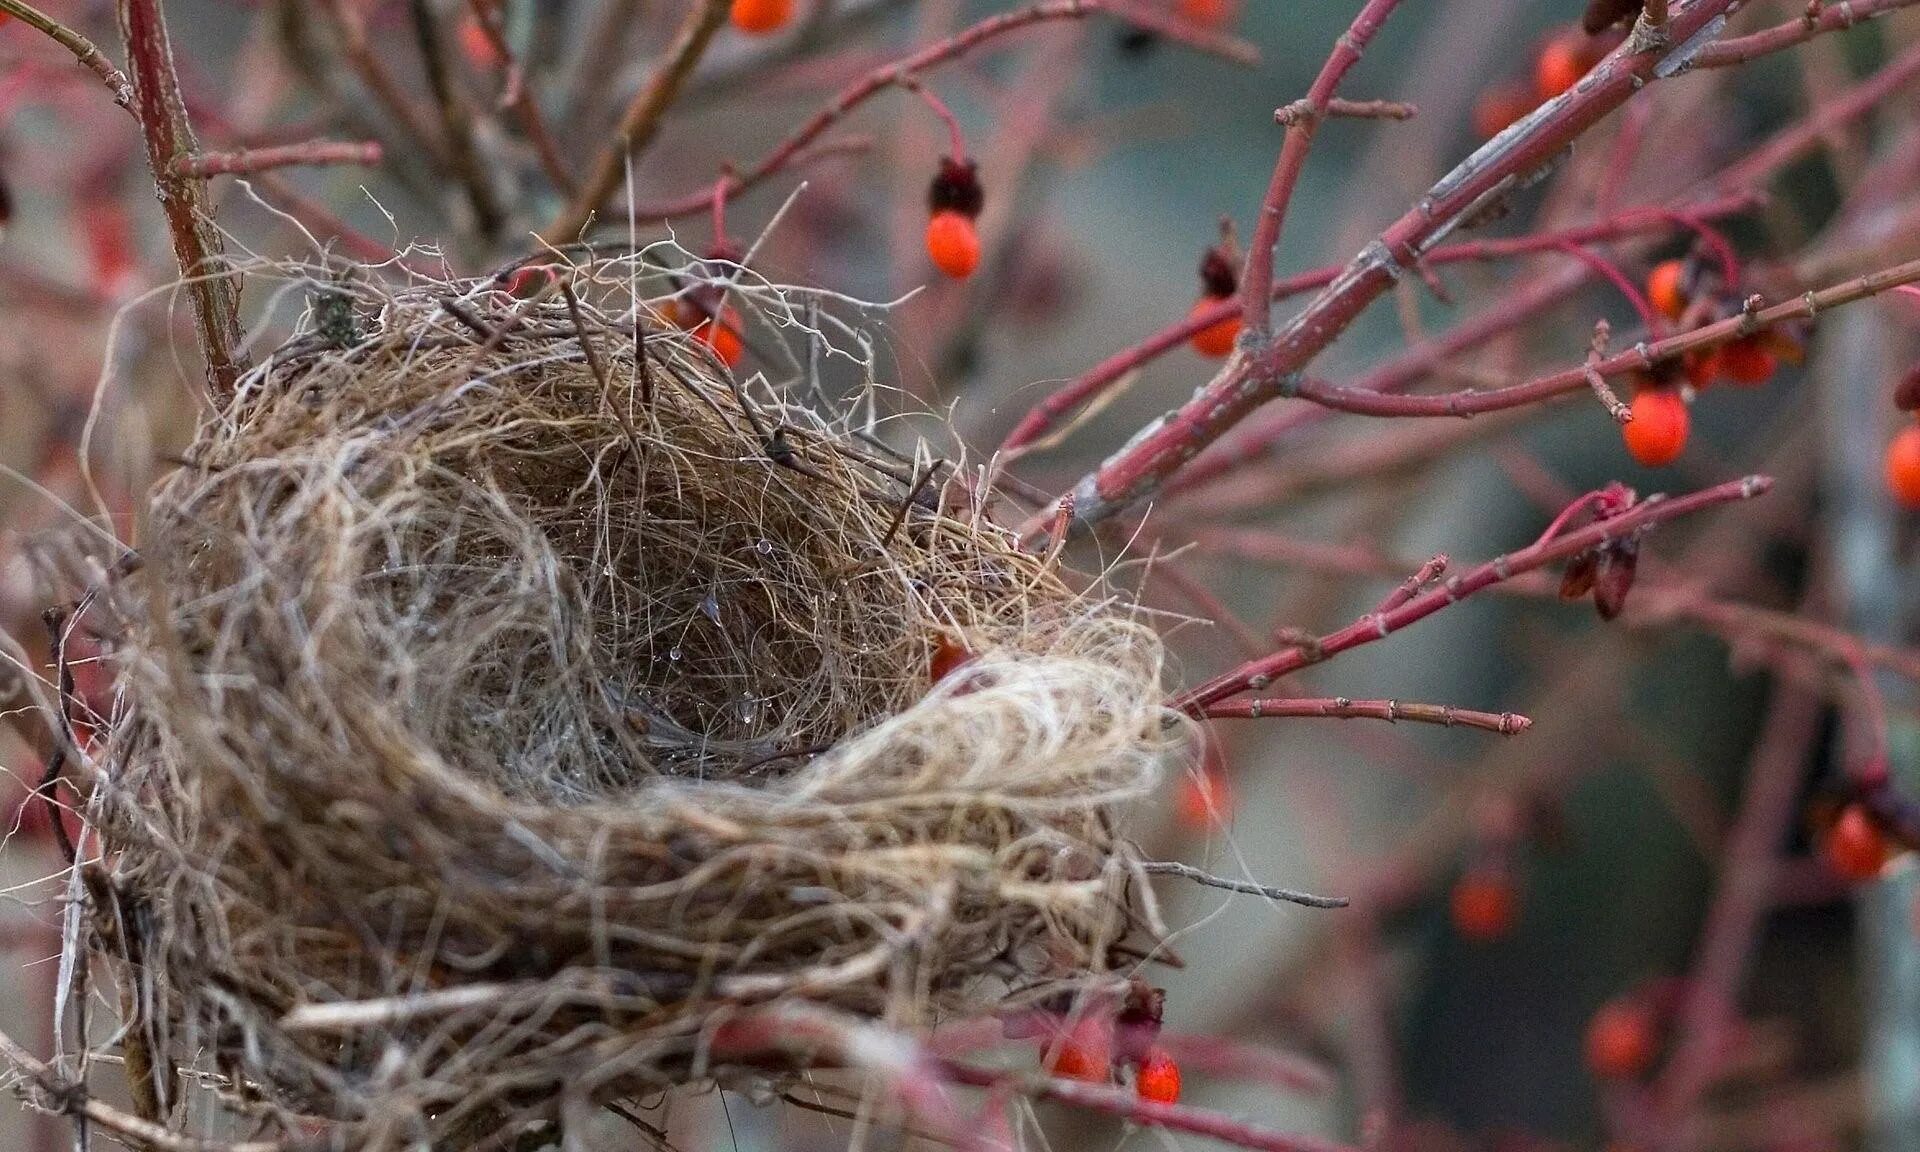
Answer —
490 733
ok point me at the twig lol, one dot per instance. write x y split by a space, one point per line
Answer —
1256 281
642 119
1829 18
1596 352
1257 674
183 198
929 57
247 161
1426 574
1341 708
519 99
55 1093
1299 112
84 50
1245 887
457 121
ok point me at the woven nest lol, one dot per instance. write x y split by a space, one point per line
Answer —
501 714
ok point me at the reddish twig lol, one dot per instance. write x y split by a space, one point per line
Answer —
1146 1113
642 120
1819 18
1274 368
1640 358
1042 417
183 198
929 57
84 50
519 99
1342 708
1256 281
1257 674
250 160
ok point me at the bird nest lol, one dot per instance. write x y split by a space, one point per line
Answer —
510 698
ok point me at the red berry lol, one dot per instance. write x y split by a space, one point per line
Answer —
953 244
1206 798
1748 361
1621 1040
1903 466
1216 339
723 338
528 279
1854 847
759 17
1209 13
110 245
1658 432
1563 60
1085 1053
477 46
1499 108
1159 1079
1484 905
1666 288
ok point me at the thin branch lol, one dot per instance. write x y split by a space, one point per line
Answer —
1341 708
84 50
183 198
247 161
1244 887
1820 17
642 120
940 52
519 99
456 119
1256 281
1257 674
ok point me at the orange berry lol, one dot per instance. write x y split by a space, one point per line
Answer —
110 245
1159 1079
1209 13
477 46
953 244
1666 288
1085 1053
1658 432
723 338
1620 1041
1499 108
1903 466
1216 339
759 17
1206 798
1563 60
1854 847
1484 905
1748 361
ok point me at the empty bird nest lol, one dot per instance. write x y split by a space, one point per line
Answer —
509 698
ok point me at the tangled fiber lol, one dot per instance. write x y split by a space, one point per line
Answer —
509 697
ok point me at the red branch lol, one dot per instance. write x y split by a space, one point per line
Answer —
1271 369
1256 282
933 55
1257 674
1042 417
1820 17
1392 711
250 160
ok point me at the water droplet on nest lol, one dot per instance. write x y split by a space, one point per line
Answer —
710 606
673 653
763 546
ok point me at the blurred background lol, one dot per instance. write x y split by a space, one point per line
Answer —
1620 929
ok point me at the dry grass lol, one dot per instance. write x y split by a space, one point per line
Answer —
499 714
